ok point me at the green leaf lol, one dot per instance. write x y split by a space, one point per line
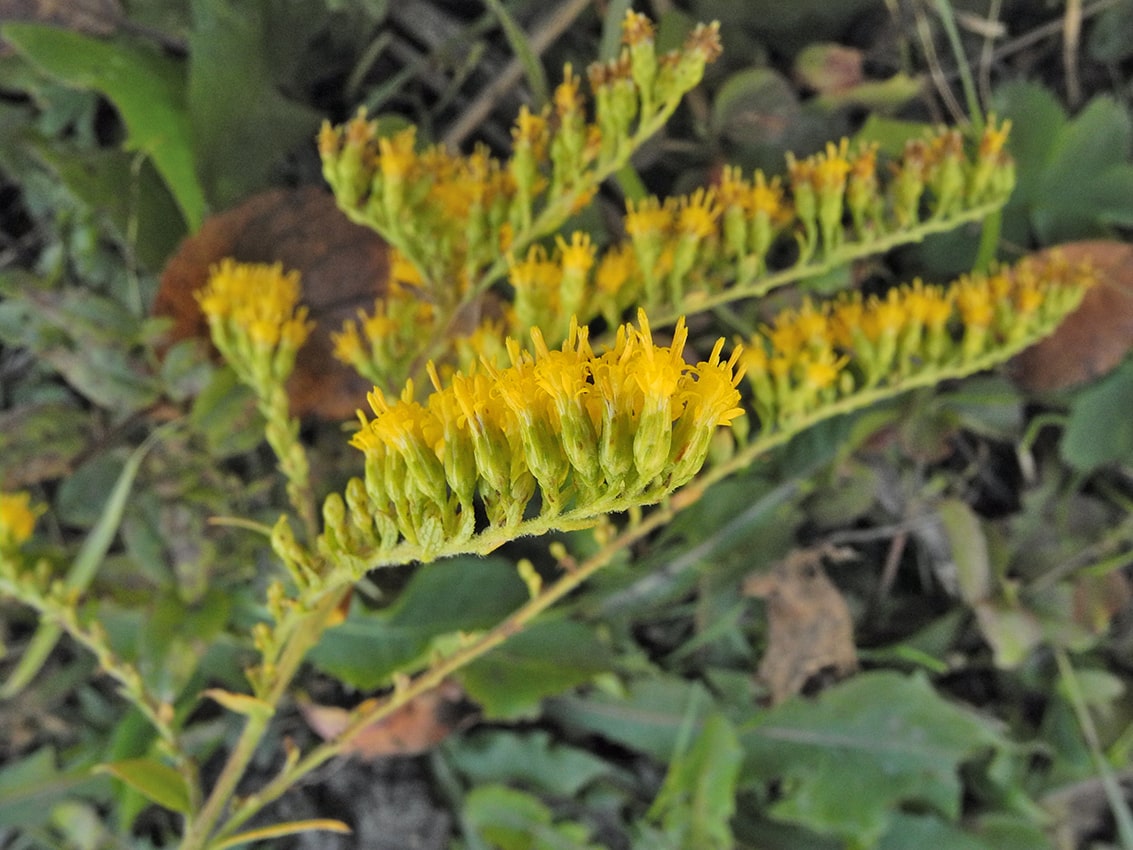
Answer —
909 830
545 659
154 780
848 761
969 549
461 594
697 801
1099 429
648 717
513 820
129 192
31 786
147 88
532 759
1074 176
242 130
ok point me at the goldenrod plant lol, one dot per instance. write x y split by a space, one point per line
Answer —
538 418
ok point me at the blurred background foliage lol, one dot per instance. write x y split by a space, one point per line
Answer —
982 530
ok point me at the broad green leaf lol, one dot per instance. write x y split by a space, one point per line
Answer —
240 131
697 801
461 594
907 830
530 758
1074 175
848 761
29 787
153 779
545 659
648 717
1099 429
513 820
147 88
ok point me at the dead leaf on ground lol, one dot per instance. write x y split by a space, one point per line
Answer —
1095 337
415 728
810 633
344 267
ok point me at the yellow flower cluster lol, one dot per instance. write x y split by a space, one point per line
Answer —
382 345
17 520
550 289
254 316
454 215
590 432
699 241
815 355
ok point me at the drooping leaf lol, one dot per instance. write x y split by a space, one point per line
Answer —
461 594
147 88
846 762
155 780
545 659
697 800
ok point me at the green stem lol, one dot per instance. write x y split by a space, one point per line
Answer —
967 83
200 830
1113 792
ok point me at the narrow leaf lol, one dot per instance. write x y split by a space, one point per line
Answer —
154 780
82 571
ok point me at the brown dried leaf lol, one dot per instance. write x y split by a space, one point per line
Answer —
1095 337
415 728
810 634
344 267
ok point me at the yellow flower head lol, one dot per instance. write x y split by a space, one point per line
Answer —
578 256
397 154
616 269
767 197
567 98
993 139
530 130
535 272
257 300
592 430
647 217
17 519
697 213
974 299
831 168
636 29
